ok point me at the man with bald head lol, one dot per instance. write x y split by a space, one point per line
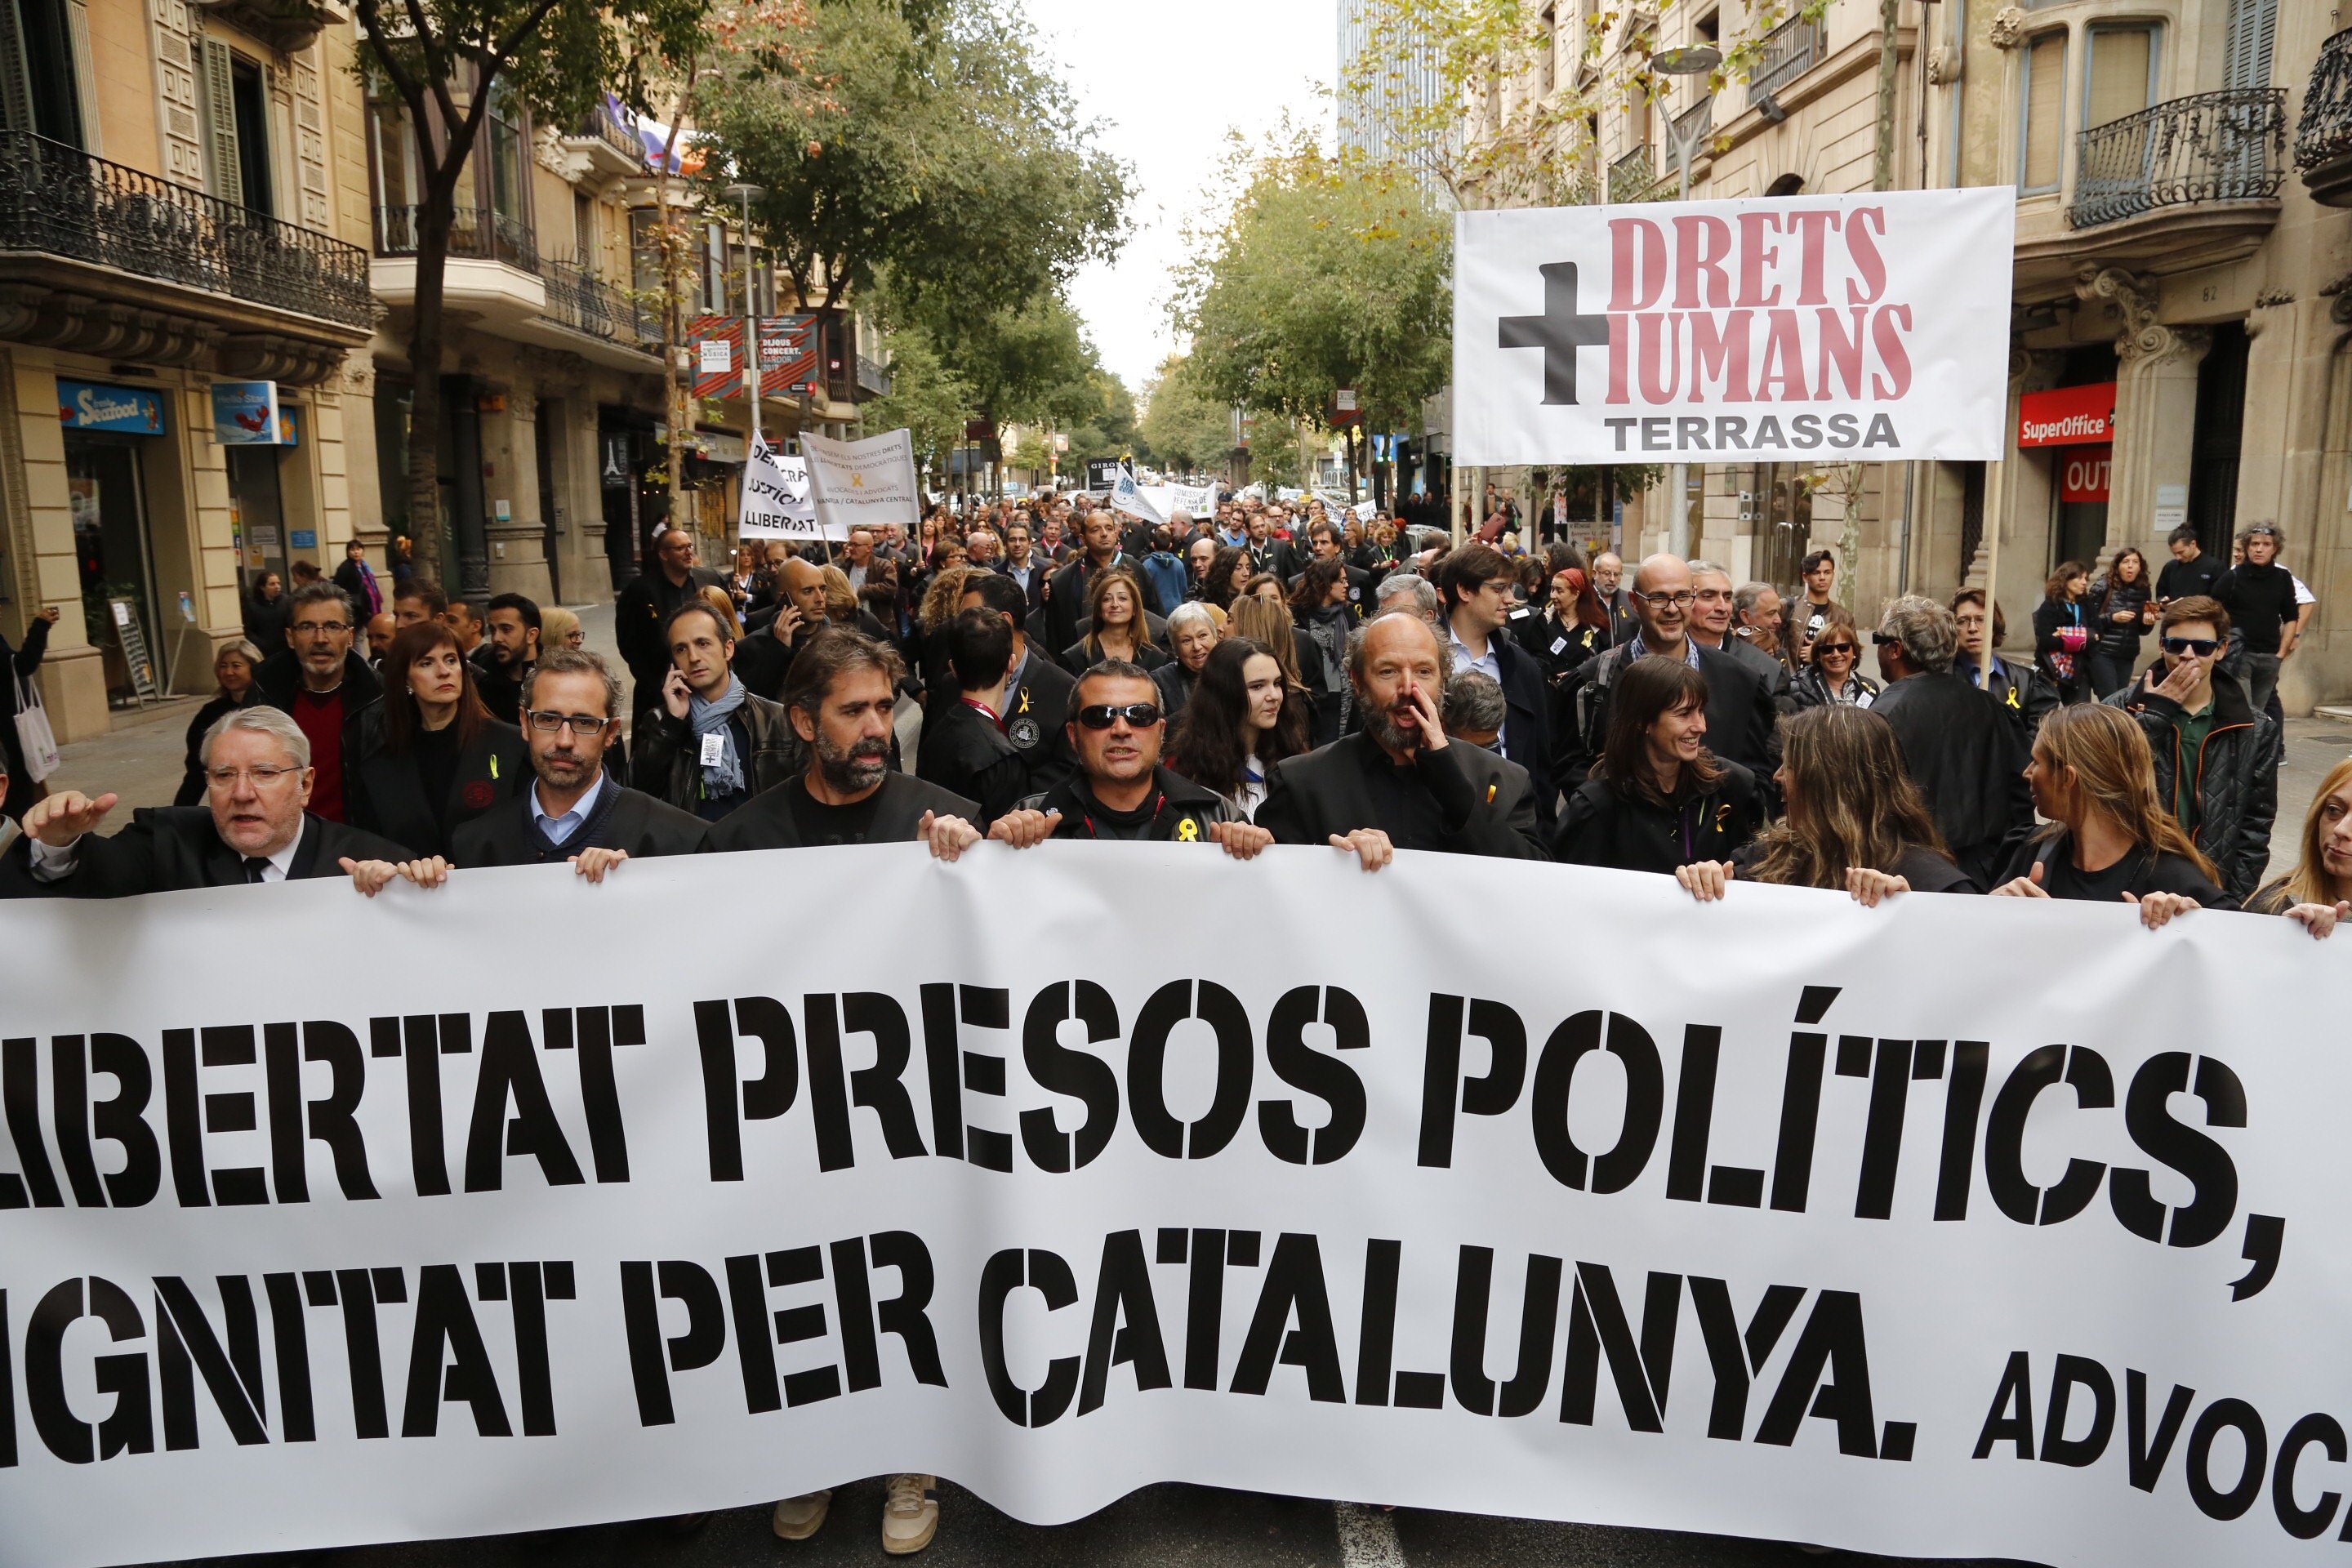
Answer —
1741 722
1398 783
764 658
646 606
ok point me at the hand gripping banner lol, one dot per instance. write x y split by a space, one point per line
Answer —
1952 1227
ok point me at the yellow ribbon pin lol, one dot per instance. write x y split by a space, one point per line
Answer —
1188 831
494 764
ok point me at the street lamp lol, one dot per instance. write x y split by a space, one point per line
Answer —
1690 59
747 194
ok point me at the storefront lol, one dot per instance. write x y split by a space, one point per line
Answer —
107 431
2072 430
260 440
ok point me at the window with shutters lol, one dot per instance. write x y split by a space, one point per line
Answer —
42 75
250 96
2119 74
2246 48
2042 111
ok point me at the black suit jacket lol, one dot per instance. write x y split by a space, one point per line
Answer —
637 617
964 754
1526 730
637 823
1742 724
168 848
385 793
765 821
1310 797
1036 713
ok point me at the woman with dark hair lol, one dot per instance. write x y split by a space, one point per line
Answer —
265 613
1829 678
233 668
2109 835
1658 798
430 755
1228 571
2062 639
1115 625
1319 604
1243 719
1854 820
2123 607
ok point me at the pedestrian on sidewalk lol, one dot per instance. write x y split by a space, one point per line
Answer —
233 669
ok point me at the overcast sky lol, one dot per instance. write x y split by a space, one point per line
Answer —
1167 81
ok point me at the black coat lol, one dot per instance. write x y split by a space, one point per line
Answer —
1742 723
1078 659
1526 729
2190 579
385 793
1603 827
1175 683
1329 791
668 758
1185 810
279 681
638 616
22 661
965 753
502 693
1556 647
2119 640
765 821
2235 774
633 822
1967 757
264 623
192 769
1037 718
169 848
2050 618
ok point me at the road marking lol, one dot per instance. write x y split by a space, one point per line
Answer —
1367 1536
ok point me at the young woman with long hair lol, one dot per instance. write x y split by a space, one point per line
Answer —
1116 627
2122 609
2062 638
1243 719
1318 605
430 755
1657 797
1267 621
2109 837
1228 572
1854 821
2318 891
1573 624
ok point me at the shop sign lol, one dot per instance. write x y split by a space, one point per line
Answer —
90 406
245 413
290 424
2067 416
2083 473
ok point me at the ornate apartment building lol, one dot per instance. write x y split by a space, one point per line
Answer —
2183 277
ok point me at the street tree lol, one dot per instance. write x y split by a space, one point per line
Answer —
1184 426
925 396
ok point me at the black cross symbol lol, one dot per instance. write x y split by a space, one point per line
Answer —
1560 331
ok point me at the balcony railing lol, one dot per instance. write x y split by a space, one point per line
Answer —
873 377
60 201
599 124
474 236
2227 146
1633 177
1790 50
2325 132
587 304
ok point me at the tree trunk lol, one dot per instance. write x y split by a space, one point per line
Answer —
434 220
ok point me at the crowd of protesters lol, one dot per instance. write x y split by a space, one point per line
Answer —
1267 675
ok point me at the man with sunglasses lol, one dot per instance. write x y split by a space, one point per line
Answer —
574 812
2215 754
1122 790
325 686
252 828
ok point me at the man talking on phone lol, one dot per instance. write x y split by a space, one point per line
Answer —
1398 783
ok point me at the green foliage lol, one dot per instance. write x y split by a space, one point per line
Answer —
923 140
925 396
1326 276
1186 428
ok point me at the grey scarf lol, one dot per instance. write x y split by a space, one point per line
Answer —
724 777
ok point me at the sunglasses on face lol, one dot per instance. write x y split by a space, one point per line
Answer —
1103 715
1829 647
2201 647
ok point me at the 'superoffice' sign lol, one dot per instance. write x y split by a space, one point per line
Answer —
1813 329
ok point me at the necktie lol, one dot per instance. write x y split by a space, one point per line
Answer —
255 867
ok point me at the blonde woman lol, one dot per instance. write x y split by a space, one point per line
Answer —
2318 891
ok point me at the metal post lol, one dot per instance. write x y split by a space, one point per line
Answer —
754 384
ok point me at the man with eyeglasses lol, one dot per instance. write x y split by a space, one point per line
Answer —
2216 754
318 679
1714 606
252 828
1742 724
1121 791
574 812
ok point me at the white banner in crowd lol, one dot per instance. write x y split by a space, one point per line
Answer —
1813 329
776 500
1198 502
1126 496
866 483
1947 1229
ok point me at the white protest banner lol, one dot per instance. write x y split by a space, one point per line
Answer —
1126 496
1199 501
1769 1218
865 483
1367 509
1832 327
776 503
1162 499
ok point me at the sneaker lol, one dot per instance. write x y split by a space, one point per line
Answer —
798 1518
911 1515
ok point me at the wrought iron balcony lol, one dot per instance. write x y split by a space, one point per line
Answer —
873 378
583 301
60 201
1790 50
609 140
2323 138
2227 146
474 236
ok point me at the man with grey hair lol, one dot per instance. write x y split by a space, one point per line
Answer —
1714 613
324 685
252 828
1409 592
1958 742
1475 707
1399 783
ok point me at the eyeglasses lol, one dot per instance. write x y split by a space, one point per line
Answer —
1682 601
227 778
2261 531
2201 647
581 723
1821 648
1885 639
318 628
1103 715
